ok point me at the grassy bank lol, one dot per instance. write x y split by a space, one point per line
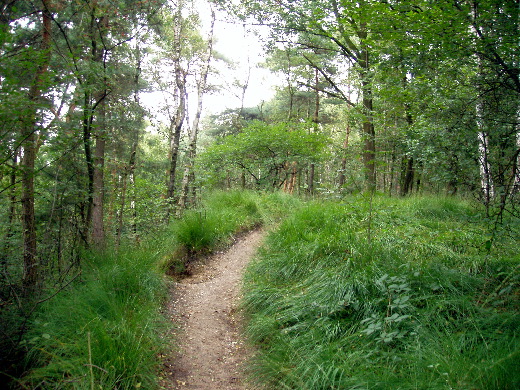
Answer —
104 330
397 294
222 215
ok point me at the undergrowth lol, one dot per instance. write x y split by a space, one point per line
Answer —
221 216
423 303
105 330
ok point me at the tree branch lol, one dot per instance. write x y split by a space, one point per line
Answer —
330 81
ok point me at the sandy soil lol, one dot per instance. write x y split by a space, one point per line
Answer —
204 306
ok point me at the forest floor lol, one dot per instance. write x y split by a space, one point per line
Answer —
207 324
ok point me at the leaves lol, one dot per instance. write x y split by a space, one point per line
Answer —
265 150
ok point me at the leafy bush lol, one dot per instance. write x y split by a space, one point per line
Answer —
262 151
422 304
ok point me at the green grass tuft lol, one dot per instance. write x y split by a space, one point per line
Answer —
104 332
221 216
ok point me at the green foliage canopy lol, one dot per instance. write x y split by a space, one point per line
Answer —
265 151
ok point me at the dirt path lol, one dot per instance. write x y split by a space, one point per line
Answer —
204 305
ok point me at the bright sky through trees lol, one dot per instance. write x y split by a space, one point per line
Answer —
242 45
239 51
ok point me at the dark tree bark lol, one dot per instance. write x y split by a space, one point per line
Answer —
407 178
408 171
95 159
98 186
369 134
316 121
31 275
343 168
98 228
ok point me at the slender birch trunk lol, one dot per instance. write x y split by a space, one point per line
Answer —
177 122
486 178
189 172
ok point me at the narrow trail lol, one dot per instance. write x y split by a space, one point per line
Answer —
204 308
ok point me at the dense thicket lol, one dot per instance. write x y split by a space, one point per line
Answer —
424 94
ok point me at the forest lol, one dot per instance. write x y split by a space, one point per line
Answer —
386 165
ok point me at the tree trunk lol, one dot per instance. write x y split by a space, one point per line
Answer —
392 173
343 167
407 173
369 152
98 228
128 172
88 117
31 276
407 176
310 179
87 147
129 169
189 172
516 166
316 121
133 209
290 180
175 136
486 178
243 180
98 190
30 259
13 200
177 122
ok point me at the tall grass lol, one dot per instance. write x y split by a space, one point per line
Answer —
221 216
103 332
424 303
106 331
